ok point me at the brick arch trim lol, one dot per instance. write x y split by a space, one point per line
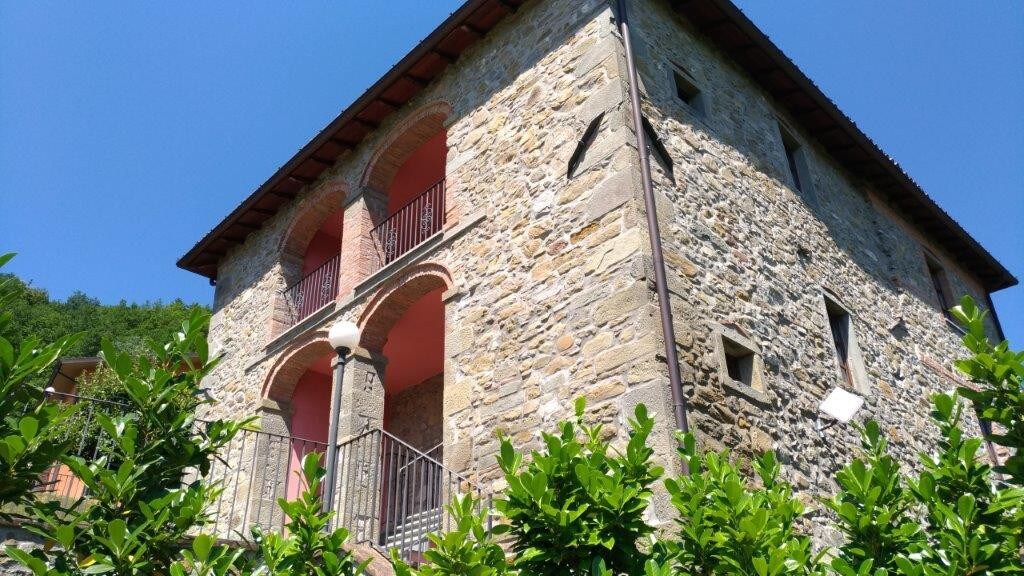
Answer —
402 141
393 299
311 213
292 364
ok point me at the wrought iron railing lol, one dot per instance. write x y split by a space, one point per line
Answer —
392 495
410 225
314 291
388 493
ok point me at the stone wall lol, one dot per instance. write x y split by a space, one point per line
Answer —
12 535
547 299
744 248
549 292
415 415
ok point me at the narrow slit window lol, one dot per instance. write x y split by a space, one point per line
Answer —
687 90
839 323
940 283
581 147
794 158
656 148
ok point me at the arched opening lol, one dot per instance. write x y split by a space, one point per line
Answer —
300 386
414 379
310 419
406 324
312 274
409 171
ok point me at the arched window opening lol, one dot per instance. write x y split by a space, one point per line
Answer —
414 379
413 417
309 423
416 197
317 286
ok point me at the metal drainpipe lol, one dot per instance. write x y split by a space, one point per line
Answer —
660 283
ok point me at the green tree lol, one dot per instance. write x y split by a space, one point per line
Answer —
30 441
142 500
129 326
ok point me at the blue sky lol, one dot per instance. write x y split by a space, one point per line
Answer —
129 129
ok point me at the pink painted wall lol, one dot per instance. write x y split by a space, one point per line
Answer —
310 404
415 346
326 243
424 168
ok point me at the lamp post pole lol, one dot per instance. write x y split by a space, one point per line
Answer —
332 433
343 337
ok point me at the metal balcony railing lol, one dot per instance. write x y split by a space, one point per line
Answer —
314 291
387 493
410 225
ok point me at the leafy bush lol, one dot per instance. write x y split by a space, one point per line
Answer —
576 508
998 397
955 517
147 493
30 441
577 504
730 525
309 547
873 509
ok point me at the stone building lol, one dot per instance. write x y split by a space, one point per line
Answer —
479 212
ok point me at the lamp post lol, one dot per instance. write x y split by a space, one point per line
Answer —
343 337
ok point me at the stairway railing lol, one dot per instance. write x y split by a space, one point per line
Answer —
389 494
392 495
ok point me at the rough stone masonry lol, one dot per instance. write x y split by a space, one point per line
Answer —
547 277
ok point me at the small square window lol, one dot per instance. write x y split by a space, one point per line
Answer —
740 364
687 90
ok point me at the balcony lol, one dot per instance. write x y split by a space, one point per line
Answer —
410 225
387 493
314 291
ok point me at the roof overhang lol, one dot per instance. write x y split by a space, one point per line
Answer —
463 28
720 20
67 370
734 33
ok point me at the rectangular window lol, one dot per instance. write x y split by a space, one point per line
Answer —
841 327
741 367
840 323
794 159
940 283
687 90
